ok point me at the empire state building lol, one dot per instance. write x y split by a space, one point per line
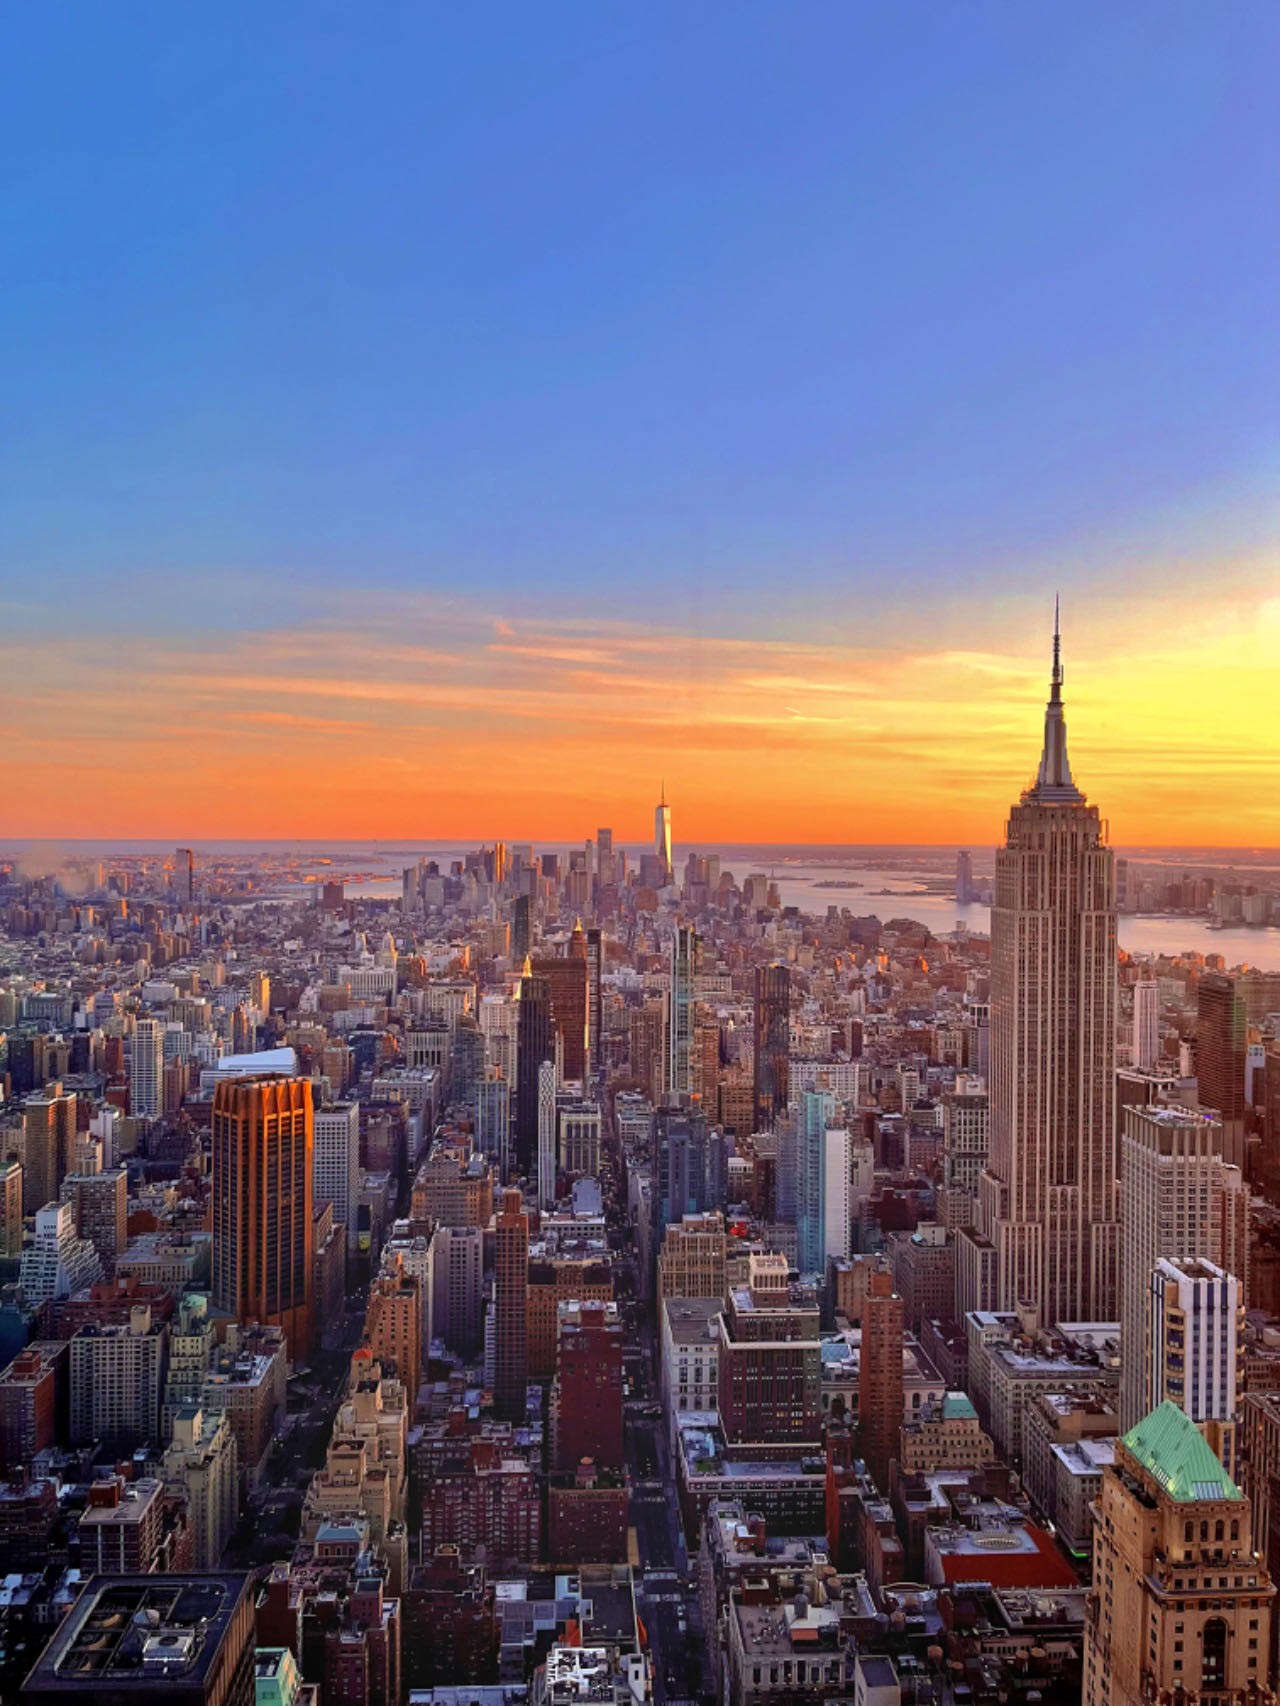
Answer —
1047 1205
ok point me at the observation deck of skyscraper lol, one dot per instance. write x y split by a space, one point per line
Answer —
593 1105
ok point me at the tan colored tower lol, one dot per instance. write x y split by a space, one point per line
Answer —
263 1141
1048 1199
1181 1604
1179 1198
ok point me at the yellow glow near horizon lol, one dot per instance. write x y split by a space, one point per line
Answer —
453 726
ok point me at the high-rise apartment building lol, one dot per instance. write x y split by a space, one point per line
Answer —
547 1158
815 1115
686 963
966 1138
1195 1319
100 1203
510 1308
263 1204
146 1070
49 1124
457 1269
1178 1198
1181 1604
336 1163
880 1381
117 1380
58 1261
10 1207
393 1324
772 1074
1047 1201
200 1463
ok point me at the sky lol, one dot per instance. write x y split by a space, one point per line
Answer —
423 420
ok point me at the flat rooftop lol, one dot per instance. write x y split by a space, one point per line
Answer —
139 1632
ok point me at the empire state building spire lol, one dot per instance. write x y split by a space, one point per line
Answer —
1047 1225
1053 781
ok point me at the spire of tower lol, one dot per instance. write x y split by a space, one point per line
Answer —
1053 779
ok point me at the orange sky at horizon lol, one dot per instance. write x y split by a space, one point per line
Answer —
441 723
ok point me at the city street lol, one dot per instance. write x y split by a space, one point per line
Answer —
665 1587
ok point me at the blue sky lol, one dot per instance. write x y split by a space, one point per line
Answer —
642 305
507 398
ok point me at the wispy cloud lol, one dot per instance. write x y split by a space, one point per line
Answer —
390 716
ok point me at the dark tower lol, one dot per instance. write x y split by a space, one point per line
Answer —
511 1308
535 1042
772 1043
520 940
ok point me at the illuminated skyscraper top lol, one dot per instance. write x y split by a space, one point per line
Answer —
1053 781
662 833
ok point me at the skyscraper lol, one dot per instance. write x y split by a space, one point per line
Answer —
336 1163
964 877
880 1412
595 1014
49 1120
816 1113
1221 1033
184 874
1047 1201
547 1135
1195 1318
1146 1025
772 1043
146 1070
493 1121
662 834
535 1043
263 1200
605 874
521 927
1178 1198
567 979
510 1306
1181 1607
686 962
680 1143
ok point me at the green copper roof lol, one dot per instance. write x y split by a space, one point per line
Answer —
1170 1446
957 1408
